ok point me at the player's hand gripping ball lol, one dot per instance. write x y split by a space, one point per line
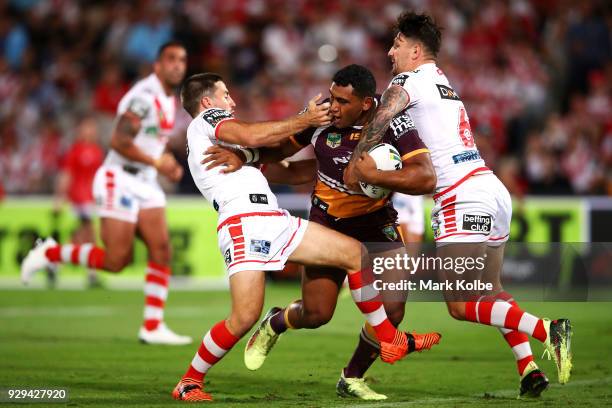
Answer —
387 158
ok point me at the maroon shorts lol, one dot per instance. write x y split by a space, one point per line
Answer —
380 226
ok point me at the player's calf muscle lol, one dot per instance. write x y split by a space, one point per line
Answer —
456 310
240 322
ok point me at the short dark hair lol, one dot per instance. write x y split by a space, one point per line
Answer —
361 78
195 87
166 45
421 27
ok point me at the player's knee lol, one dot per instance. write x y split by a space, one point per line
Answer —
354 256
317 318
160 252
115 262
242 322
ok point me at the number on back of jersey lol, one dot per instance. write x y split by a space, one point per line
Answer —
465 130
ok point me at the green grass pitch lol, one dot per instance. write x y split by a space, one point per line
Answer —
86 341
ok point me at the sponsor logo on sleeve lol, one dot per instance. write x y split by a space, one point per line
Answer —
400 124
214 116
399 79
447 92
260 246
477 223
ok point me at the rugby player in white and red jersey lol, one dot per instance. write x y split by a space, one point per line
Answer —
472 211
129 199
255 235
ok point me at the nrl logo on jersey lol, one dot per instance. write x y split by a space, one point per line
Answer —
214 116
334 140
399 80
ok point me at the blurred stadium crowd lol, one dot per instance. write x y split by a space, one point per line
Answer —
535 75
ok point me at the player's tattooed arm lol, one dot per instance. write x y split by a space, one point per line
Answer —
393 101
122 141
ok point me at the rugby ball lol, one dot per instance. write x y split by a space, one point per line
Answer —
387 158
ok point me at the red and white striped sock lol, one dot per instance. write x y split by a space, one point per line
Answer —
502 314
87 255
156 293
518 342
369 302
216 343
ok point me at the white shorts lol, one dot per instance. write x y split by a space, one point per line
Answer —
410 212
259 241
121 195
477 208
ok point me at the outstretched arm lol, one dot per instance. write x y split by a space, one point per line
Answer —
393 101
269 133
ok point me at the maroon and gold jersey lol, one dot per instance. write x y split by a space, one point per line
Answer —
333 149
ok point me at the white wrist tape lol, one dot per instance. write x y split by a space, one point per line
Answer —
251 155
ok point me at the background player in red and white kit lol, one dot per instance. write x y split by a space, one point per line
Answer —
255 235
471 216
130 200
75 182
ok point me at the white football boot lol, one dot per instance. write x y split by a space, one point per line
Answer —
36 260
162 335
